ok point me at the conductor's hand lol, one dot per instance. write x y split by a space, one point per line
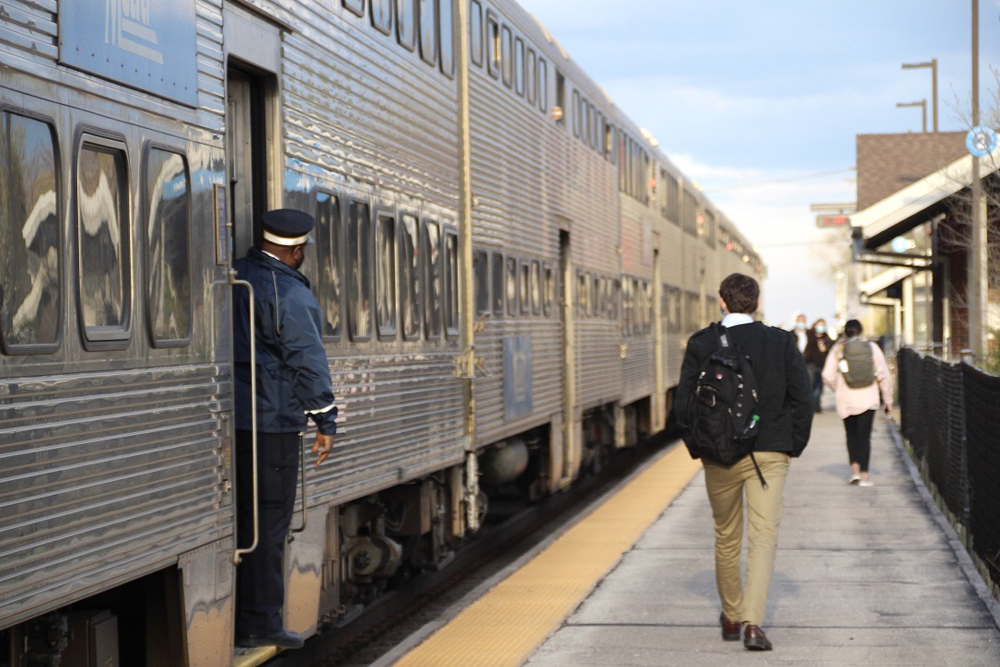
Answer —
323 445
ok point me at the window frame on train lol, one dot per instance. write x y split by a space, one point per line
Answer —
498 283
450 305
330 261
481 271
406 9
155 339
386 279
531 77
543 85
103 336
434 269
356 7
382 19
507 55
446 38
518 65
411 288
476 40
510 285
493 56
428 31
57 310
358 244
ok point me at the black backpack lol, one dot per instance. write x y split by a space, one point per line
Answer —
721 419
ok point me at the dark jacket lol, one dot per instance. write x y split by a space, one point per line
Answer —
784 400
812 354
293 375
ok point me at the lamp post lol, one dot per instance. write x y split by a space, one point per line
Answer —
978 280
934 94
923 106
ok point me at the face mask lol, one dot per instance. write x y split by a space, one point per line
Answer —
820 329
800 326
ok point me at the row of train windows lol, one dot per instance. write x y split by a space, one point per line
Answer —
633 168
31 290
510 285
507 57
591 127
416 260
423 23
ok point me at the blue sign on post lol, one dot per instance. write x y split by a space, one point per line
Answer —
146 44
517 393
981 141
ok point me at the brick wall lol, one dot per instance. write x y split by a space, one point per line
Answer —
888 163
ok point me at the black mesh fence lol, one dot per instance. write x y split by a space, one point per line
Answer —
951 417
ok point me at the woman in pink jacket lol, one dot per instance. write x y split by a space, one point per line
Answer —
857 405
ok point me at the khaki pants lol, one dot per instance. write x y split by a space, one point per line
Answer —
725 493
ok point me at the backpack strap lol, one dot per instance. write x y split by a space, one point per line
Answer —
720 335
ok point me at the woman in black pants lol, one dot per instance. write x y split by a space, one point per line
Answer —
848 364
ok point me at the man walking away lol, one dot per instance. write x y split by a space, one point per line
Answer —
785 410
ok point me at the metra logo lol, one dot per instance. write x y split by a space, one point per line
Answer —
127 26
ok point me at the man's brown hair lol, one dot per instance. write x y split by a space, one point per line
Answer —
740 292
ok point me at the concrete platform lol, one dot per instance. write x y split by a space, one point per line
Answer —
863 576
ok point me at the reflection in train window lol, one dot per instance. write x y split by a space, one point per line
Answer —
435 279
406 23
410 277
581 292
451 284
493 44
626 306
385 276
576 113
382 15
595 296
506 58
536 288
476 33
550 290
359 286
519 66
543 86
168 269
481 269
105 274
355 6
524 284
447 32
511 288
30 289
497 283
531 75
616 299
428 31
328 255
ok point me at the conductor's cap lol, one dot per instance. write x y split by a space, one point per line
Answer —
287 227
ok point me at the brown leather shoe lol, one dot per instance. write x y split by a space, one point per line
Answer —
730 629
754 639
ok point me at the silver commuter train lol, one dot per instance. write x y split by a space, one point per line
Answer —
507 267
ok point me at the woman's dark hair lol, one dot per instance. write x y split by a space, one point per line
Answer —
741 293
852 328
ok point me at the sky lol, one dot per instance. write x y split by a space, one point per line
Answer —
759 102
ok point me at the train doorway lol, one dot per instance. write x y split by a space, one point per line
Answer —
247 139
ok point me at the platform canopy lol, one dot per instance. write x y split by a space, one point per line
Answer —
918 202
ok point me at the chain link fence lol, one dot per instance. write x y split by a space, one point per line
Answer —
951 418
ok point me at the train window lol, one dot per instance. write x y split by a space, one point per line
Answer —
409 276
446 31
511 286
354 6
103 233
30 275
168 267
609 141
710 228
587 118
359 257
493 44
497 282
550 289
536 288
381 15
543 86
576 113
626 306
524 287
435 279
476 33
531 74
581 293
595 295
688 208
616 297
329 262
560 92
451 284
481 269
406 23
648 288
622 161
385 276
428 30
673 199
519 66
506 59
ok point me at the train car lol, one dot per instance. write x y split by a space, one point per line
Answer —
507 268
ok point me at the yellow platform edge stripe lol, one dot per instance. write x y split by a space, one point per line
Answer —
505 626
256 657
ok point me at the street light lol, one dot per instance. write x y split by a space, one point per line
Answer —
934 95
922 104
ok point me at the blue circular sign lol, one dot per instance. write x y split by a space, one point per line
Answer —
981 140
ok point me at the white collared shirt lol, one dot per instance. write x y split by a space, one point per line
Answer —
736 319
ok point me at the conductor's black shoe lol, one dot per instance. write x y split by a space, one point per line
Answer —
283 639
730 629
754 639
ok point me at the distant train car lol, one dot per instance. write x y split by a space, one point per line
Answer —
507 268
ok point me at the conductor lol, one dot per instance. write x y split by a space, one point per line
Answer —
293 384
